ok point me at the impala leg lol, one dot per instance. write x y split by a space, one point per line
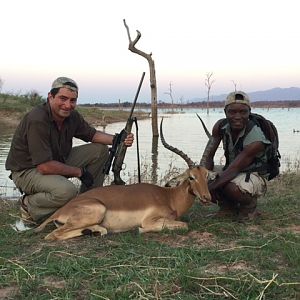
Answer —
64 233
87 218
151 225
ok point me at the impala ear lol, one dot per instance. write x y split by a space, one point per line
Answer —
211 175
177 180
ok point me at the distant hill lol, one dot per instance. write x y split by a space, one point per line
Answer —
275 94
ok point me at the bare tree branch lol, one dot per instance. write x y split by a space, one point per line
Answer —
235 84
132 48
208 84
170 93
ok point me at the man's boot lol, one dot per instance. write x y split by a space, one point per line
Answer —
25 216
227 209
247 210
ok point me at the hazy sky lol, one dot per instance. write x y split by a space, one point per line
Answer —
253 43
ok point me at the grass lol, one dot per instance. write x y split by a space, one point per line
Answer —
214 259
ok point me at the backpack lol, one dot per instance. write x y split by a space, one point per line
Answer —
273 156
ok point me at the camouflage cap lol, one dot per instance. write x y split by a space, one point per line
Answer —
237 97
65 82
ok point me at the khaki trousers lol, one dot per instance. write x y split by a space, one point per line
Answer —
46 193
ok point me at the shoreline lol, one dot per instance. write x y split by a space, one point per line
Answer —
9 120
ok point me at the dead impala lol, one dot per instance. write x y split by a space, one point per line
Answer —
119 208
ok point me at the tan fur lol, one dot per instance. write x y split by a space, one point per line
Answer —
177 180
118 208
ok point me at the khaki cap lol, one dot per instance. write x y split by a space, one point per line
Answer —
237 97
65 82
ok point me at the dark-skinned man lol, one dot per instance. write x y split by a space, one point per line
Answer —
237 188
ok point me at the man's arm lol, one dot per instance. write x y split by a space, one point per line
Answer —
107 139
102 138
207 159
54 167
242 161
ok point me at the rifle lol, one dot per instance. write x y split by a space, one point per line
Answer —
118 149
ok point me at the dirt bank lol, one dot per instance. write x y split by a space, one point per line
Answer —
10 120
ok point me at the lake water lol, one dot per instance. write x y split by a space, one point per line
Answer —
184 131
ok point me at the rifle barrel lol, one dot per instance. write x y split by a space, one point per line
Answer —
136 95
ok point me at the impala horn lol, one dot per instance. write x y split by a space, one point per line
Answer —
204 127
190 163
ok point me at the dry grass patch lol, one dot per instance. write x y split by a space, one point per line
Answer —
194 238
221 269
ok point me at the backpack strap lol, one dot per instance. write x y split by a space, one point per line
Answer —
239 146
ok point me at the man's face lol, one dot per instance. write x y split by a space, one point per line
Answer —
237 115
63 103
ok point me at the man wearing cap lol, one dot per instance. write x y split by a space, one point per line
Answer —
41 156
234 190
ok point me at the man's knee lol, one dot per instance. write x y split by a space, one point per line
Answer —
234 193
65 192
44 203
231 190
98 158
98 150
88 154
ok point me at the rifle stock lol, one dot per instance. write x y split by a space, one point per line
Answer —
118 149
120 153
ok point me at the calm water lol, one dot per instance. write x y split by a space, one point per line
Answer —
184 131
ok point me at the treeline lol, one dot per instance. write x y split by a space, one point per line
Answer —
202 104
32 98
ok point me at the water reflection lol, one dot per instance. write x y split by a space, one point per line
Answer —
6 185
183 131
154 156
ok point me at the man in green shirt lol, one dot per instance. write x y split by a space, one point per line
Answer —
235 190
41 157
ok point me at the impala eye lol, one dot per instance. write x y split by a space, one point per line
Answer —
191 178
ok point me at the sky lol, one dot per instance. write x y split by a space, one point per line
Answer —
251 44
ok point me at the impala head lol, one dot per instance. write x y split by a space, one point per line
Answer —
198 178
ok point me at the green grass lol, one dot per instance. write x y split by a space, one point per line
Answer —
14 107
214 259
19 103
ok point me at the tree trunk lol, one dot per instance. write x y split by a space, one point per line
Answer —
153 86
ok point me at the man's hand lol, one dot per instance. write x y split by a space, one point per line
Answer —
215 196
86 177
129 140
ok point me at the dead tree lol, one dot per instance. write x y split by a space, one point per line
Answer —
153 86
170 93
235 84
208 83
181 102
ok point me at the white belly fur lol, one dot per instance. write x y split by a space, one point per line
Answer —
118 221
